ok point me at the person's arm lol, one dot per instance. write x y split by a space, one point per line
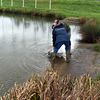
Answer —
53 37
67 29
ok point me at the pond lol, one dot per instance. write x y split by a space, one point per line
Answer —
24 43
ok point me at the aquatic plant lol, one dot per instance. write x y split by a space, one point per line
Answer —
53 87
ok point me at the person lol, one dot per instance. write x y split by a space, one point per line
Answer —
61 36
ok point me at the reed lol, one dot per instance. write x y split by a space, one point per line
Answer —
91 31
53 87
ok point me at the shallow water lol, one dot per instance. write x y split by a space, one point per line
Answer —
24 43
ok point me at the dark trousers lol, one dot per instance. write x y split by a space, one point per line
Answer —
58 45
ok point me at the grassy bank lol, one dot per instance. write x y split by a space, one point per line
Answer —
65 8
53 87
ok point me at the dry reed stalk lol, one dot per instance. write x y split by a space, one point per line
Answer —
53 87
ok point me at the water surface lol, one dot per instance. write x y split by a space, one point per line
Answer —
24 43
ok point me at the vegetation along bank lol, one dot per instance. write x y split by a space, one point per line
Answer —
58 8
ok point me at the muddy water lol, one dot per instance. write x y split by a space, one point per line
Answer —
24 43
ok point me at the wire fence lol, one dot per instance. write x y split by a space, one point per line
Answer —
24 3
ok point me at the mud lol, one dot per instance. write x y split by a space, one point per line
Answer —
84 61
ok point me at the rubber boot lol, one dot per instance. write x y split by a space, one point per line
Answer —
68 56
53 56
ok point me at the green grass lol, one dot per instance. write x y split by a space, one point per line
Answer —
96 47
97 77
66 8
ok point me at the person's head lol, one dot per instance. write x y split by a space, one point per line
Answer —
56 22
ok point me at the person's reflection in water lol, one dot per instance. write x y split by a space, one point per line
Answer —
57 62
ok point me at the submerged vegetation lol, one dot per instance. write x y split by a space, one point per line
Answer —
63 8
53 87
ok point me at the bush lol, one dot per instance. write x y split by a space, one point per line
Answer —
83 20
91 31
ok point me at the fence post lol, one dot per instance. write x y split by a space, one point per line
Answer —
35 3
50 4
23 4
1 3
11 3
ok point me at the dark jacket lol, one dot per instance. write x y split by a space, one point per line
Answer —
60 34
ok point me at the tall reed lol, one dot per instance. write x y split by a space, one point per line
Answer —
91 31
53 87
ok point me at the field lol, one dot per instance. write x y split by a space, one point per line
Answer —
65 8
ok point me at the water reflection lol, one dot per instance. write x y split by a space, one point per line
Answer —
23 44
75 36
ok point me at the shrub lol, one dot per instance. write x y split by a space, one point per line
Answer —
91 31
83 20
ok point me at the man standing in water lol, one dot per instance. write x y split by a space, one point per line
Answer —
60 36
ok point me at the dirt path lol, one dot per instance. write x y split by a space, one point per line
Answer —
84 61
